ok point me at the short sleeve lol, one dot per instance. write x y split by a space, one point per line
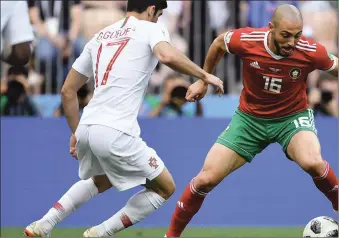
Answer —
323 60
232 42
19 29
158 33
83 64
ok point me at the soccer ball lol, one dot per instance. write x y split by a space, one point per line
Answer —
321 227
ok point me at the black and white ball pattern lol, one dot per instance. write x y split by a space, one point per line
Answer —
321 227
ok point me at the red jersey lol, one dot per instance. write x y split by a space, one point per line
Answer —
274 86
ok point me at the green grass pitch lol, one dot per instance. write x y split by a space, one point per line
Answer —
189 232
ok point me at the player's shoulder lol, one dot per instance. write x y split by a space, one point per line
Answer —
248 31
308 46
311 50
252 30
249 34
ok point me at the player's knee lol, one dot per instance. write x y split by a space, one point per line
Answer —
102 183
205 182
314 165
167 191
170 190
164 191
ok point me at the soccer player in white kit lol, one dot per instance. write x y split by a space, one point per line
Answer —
121 59
17 31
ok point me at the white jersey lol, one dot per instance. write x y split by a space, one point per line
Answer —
15 23
120 59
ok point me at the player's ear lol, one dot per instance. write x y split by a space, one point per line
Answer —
151 11
271 26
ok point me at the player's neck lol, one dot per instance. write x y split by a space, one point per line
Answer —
270 43
139 16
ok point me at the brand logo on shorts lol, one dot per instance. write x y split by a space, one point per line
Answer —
153 163
295 73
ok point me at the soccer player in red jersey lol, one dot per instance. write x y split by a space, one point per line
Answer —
273 108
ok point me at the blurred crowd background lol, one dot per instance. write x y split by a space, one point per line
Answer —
62 28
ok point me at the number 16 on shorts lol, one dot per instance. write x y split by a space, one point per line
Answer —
303 122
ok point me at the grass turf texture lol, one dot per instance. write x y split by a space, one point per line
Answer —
189 232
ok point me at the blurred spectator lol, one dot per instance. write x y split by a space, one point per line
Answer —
316 15
35 80
57 24
105 13
83 98
16 102
219 15
173 98
259 13
14 14
323 99
177 15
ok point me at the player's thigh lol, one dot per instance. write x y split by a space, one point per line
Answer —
163 184
304 149
126 160
219 163
298 137
287 127
89 165
246 135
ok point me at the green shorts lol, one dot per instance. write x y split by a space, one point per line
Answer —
249 135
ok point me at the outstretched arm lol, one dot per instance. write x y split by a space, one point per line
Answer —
216 51
176 60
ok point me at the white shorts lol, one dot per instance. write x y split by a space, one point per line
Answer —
127 161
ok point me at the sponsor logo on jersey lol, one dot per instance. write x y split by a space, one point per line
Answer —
274 69
295 73
255 65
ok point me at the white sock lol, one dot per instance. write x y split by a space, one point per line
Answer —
138 207
77 195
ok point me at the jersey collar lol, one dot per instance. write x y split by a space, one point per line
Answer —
277 57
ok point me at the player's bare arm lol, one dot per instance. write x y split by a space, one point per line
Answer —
73 83
176 60
216 51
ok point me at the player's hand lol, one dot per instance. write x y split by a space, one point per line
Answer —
72 143
215 81
196 91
